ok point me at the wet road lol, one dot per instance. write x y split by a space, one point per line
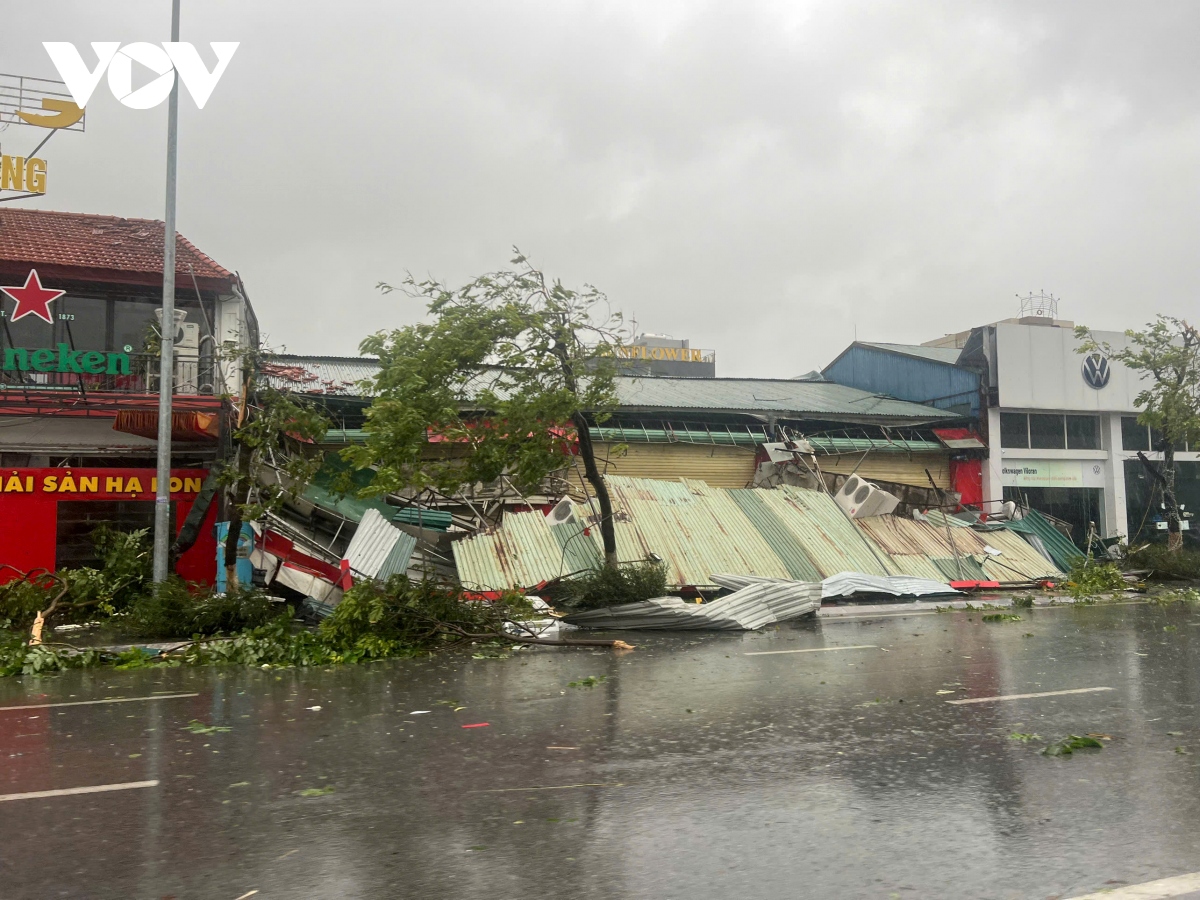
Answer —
700 766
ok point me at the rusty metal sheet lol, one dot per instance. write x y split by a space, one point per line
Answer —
822 529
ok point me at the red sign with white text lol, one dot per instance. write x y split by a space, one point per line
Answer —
29 511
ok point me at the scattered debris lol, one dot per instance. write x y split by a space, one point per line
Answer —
478 725
197 727
1072 742
590 681
316 792
759 603
1024 737
1002 617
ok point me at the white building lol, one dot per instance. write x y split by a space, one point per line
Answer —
1062 426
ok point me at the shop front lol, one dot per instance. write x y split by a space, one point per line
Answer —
47 515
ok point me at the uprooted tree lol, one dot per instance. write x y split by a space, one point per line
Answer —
274 436
1168 351
506 367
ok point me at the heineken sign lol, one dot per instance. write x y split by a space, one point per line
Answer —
64 359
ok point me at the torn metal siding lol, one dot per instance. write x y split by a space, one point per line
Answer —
1017 558
822 529
694 528
378 548
782 541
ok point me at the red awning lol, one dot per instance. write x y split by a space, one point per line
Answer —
185 425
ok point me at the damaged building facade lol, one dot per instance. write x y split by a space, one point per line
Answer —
1061 427
80 380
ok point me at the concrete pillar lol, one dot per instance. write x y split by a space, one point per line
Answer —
993 484
1115 518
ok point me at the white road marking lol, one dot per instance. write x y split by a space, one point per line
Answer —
94 702
812 650
1028 696
91 789
1151 890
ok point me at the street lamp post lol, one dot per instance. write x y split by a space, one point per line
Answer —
166 379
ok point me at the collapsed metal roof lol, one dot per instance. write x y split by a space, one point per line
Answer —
697 530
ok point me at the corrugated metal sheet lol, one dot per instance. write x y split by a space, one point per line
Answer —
694 528
822 529
912 375
782 541
752 607
787 533
379 549
723 467
946 355
1060 549
1017 559
847 584
899 468
318 374
781 396
332 374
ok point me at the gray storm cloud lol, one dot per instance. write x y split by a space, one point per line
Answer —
764 178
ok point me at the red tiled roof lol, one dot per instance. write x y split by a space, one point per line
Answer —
105 246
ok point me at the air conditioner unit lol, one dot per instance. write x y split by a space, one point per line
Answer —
189 339
562 513
861 499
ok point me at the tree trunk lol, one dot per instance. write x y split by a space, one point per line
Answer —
608 533
1164 474
239 494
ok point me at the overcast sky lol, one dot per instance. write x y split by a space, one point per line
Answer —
764 178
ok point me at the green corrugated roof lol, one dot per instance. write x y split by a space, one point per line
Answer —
1061 550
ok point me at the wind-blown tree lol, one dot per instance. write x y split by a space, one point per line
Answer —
506 367
1168 351
274 454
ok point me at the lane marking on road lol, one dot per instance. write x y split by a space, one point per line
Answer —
1175 886
94 702
549 787
91 789
1027 696
813 650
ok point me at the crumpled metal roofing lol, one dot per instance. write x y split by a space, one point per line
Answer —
754 606
847 584
379 549
696 529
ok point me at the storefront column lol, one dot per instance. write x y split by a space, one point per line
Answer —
993 484
1115 517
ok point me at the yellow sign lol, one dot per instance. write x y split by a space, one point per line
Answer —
682 354
65 115
20 174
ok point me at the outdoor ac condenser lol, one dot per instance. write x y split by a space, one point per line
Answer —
861 499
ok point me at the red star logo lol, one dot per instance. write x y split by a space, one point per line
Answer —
32 298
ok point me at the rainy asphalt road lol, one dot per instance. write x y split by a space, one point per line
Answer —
701 766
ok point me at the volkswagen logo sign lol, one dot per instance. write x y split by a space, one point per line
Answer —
1096 371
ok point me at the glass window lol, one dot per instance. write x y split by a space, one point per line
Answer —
29 330
1046 432
1133 435
131 324
81 322
1014 430
1083 432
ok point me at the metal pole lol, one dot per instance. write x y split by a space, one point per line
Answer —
166 371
